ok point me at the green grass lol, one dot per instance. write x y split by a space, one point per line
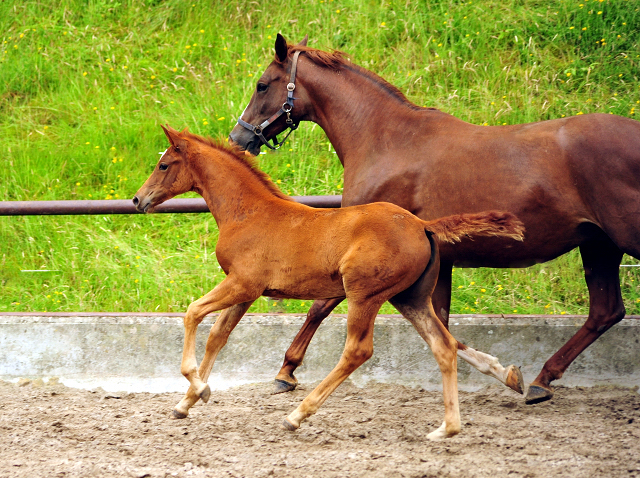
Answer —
85 85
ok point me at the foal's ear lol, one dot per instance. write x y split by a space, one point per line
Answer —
175 138
172 134
281 49
304 41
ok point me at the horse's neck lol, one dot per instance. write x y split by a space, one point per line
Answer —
354 109
231 191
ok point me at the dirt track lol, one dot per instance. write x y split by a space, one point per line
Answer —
378 432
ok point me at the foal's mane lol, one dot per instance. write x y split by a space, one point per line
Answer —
336 60
249 162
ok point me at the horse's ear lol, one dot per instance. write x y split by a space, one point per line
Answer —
281 49
304 41
171 134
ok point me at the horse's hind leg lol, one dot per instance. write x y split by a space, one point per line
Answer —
285 381
357 350
218 336
601 261
444 347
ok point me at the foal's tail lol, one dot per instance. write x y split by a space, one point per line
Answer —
488 223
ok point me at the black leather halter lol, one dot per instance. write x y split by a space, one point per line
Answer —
287 106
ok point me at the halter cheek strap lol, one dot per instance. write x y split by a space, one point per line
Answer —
287 106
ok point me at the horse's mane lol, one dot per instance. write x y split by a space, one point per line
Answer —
239 155
336 60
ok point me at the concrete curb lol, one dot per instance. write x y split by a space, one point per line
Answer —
141 352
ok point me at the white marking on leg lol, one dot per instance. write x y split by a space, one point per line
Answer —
439 434
485 363
297 417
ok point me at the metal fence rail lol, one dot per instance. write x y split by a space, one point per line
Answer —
125 206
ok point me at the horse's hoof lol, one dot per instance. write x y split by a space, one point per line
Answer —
178 415
514 379
205 394
537 394
281 386
287 425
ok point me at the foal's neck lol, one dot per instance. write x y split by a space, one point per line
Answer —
232 191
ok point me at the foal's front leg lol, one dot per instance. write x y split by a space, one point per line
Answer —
218 336
226 294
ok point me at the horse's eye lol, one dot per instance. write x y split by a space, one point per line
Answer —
262 87
163 167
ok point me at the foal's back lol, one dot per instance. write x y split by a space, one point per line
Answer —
347 252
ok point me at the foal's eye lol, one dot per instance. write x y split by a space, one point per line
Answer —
163 167
262 87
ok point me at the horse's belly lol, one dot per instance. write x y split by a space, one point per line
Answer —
492 252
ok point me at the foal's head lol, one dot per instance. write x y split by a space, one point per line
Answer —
271 94
171 176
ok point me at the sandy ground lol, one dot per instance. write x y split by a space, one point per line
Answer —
378 431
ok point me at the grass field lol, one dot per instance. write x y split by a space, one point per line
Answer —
85 85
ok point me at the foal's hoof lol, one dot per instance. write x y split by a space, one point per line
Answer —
178 415
287 425
441 433
281 386
537 394
205 393
514 379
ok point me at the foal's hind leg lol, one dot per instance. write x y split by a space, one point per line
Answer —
218 336
485 363
285 381
444 347
357 350
601 261
490 365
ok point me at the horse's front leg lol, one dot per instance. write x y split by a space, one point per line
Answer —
228 293
218 336
285 381
357 350
485 363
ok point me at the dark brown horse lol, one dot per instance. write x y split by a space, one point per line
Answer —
574 182
270 245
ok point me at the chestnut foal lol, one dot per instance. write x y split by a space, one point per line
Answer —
270 245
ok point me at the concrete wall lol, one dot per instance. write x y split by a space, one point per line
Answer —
142 353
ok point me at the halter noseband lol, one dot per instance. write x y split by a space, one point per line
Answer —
287 106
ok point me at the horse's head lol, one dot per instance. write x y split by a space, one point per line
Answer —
171 176
275 104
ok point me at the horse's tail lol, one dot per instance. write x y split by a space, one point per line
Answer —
488 223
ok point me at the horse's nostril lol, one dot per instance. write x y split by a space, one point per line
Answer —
135 200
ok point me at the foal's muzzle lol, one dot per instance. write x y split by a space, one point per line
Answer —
141 206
